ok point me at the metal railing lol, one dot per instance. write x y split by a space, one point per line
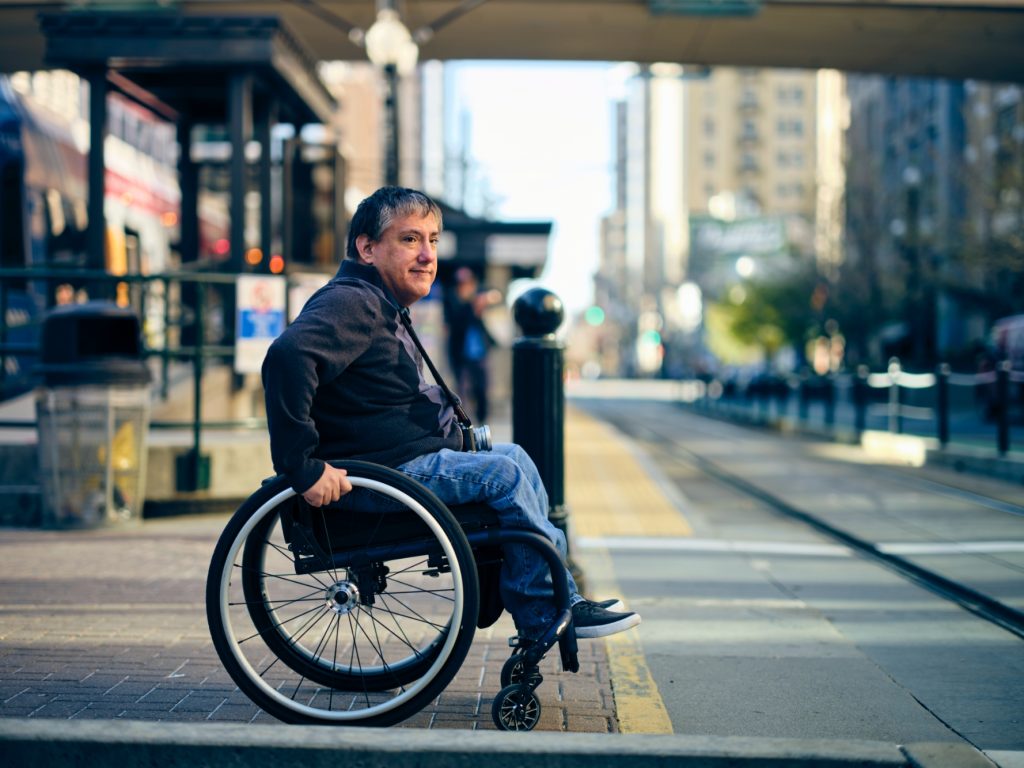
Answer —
185 307
978 409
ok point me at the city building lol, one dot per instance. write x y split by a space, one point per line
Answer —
747 160
906 203
645 239
753 136
990 272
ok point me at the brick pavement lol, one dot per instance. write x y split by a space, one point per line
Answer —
111 624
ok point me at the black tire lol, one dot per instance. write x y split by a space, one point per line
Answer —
331 645
516 708
512 672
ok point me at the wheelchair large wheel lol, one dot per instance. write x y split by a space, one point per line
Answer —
366 630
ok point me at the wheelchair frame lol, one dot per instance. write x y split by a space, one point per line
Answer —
333 616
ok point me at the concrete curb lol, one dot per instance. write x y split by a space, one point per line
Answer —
945 755
134 744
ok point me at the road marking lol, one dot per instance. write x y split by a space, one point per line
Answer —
670 544
952 548
638 704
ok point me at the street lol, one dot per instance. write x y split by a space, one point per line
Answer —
757 625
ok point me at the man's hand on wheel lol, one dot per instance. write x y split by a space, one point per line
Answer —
332 485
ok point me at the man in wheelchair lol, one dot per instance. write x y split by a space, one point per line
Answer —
345 381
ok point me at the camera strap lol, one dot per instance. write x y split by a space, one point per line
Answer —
453 399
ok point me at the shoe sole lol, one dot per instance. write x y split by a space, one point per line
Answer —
604 630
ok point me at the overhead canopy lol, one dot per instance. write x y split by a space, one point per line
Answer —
181 65
240 72
522 246
946 38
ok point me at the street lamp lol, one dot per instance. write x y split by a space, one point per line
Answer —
389 45
919 309
918 326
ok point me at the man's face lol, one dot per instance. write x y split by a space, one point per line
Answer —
405 256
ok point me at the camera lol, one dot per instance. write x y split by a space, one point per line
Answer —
475 439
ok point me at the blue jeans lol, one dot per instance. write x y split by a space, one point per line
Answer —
507 480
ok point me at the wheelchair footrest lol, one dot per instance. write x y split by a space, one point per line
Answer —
569 651
560 632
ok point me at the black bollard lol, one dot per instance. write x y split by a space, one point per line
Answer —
860 399
829 385
804 399
538 394
1003 406
942 402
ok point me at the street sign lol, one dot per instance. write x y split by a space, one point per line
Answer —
259 319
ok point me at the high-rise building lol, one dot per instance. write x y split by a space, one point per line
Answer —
993 178
753 138
905 209
742 148
646 239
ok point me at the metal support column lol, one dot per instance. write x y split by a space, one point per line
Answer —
340 217
391 131
301 191
264 118
239 132
96 235
288 159
188 243
188 180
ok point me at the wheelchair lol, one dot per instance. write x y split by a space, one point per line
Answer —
363 614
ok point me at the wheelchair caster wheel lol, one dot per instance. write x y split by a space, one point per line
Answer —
516 708
512 672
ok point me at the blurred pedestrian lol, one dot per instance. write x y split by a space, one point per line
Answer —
469 341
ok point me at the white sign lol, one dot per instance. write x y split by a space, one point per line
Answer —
447 245
517 250
259 319
303 286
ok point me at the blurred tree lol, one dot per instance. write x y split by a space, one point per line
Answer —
783 310
864 298
988 268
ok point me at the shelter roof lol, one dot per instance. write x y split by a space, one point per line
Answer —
182 63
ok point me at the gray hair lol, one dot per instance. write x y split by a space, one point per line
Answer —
376 213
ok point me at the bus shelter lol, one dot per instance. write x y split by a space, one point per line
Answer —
231 78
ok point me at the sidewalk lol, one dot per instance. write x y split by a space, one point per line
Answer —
110 624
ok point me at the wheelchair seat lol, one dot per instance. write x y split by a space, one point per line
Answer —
362 613
353 527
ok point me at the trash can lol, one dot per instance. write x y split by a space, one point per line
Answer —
92 414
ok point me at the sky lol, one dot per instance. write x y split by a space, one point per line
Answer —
540 138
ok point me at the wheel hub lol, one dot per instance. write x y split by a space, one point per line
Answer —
342 597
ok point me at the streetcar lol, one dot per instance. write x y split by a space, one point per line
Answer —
44 139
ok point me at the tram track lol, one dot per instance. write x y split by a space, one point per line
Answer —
979 604
944 489
968 598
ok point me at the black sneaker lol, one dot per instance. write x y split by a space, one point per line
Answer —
591 620
614 604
